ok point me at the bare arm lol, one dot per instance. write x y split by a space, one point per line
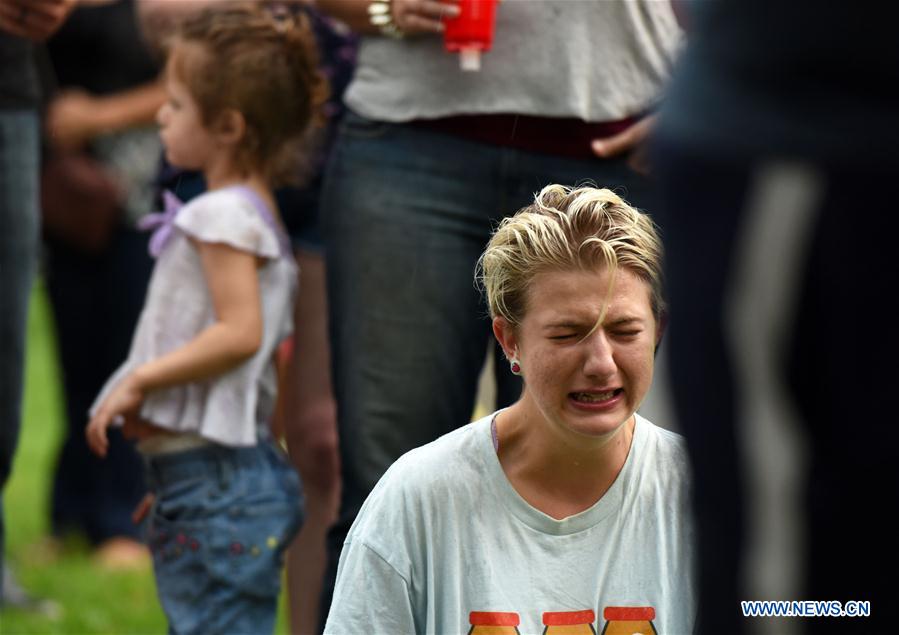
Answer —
75 116
233 338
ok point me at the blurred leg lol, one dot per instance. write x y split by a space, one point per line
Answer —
702 201
18 256
96 300
786 412
842 359
311 430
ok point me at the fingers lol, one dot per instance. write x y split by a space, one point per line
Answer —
33 19
422 16
143 508
13 17
419 24
96 434
614 145
624 141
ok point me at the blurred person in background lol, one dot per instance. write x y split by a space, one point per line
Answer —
97 181
309 411
776 153
427 160
23 23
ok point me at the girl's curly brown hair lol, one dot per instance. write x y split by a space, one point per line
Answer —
242 56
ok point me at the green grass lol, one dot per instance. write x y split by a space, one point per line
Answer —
92 600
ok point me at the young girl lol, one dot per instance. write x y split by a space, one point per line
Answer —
198 387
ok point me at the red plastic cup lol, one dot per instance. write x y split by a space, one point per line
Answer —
471 32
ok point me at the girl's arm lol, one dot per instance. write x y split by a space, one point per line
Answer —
233 338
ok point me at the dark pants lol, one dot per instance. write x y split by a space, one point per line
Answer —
96 302
783 365
19 148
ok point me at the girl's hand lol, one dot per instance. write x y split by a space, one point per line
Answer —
124 401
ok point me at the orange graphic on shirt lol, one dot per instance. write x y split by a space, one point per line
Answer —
569 623
493 623
629 620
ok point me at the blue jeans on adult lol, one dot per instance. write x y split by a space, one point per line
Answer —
408 211
19 149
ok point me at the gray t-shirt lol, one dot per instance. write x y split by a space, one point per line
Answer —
225 409
445 534
596 60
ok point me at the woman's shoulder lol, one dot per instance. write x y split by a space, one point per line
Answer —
664 439
444 460
425 475
663 453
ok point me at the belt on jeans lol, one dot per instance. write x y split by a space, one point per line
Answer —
558 136
177 466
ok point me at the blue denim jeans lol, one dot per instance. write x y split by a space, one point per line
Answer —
222 520
407 213
19 221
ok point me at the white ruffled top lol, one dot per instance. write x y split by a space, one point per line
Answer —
228 408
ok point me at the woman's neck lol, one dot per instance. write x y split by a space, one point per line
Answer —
559 472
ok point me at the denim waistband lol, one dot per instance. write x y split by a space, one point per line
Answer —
212 461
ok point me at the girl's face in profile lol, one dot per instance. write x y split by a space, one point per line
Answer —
188 142
585 380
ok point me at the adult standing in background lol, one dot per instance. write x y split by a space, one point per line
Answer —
100 120
776 153
428 159
22 24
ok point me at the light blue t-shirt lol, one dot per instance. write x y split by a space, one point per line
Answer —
444 535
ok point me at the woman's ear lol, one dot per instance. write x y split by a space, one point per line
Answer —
504 332
231 127
661 326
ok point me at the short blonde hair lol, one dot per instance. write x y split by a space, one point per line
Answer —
567 229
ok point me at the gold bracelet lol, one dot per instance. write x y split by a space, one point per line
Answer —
379 15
